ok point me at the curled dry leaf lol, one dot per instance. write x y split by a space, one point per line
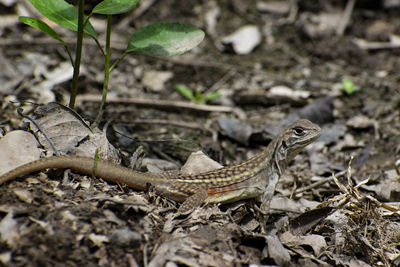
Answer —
317 242
285 204
277 252
68 133
305 221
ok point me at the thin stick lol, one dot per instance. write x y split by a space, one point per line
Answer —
346 17
158 103
316 184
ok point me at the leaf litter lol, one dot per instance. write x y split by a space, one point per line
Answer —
84 221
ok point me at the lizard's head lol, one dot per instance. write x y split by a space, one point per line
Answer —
295 137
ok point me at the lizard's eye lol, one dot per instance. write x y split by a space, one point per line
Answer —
299 131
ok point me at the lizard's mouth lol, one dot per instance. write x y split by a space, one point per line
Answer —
311 138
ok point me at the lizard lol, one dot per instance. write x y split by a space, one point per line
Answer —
255 178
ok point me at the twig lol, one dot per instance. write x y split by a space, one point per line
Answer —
346 17
159 103
294 9
351 193
182 124
383 205
165 156
316 184
366 45
221 81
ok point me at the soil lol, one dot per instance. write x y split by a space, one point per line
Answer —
48 220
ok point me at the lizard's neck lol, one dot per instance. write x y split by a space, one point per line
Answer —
274 157
270 160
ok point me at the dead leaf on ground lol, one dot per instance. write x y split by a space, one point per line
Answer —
68 133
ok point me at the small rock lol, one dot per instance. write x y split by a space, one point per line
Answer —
244 40
199 162
17 147
125 237
286 92
155 80
238 131
361 122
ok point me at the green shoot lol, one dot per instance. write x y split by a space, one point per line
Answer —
197 97
348 86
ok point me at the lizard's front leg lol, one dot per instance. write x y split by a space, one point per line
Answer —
265 200
193 201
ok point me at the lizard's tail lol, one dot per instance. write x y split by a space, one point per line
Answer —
106 170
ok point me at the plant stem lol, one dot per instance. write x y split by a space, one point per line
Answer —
114 65
106 69
95 39
69 53
78 55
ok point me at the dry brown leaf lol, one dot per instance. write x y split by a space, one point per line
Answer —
317 242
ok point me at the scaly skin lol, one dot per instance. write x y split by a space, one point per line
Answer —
254 178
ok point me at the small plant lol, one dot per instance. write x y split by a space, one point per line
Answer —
348 86
197 97
158 39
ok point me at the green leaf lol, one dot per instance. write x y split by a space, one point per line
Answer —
349 87
111 7
38 24
165 39
198 98
62 13
211 96
185 91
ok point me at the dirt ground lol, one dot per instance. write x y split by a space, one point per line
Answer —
336 205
